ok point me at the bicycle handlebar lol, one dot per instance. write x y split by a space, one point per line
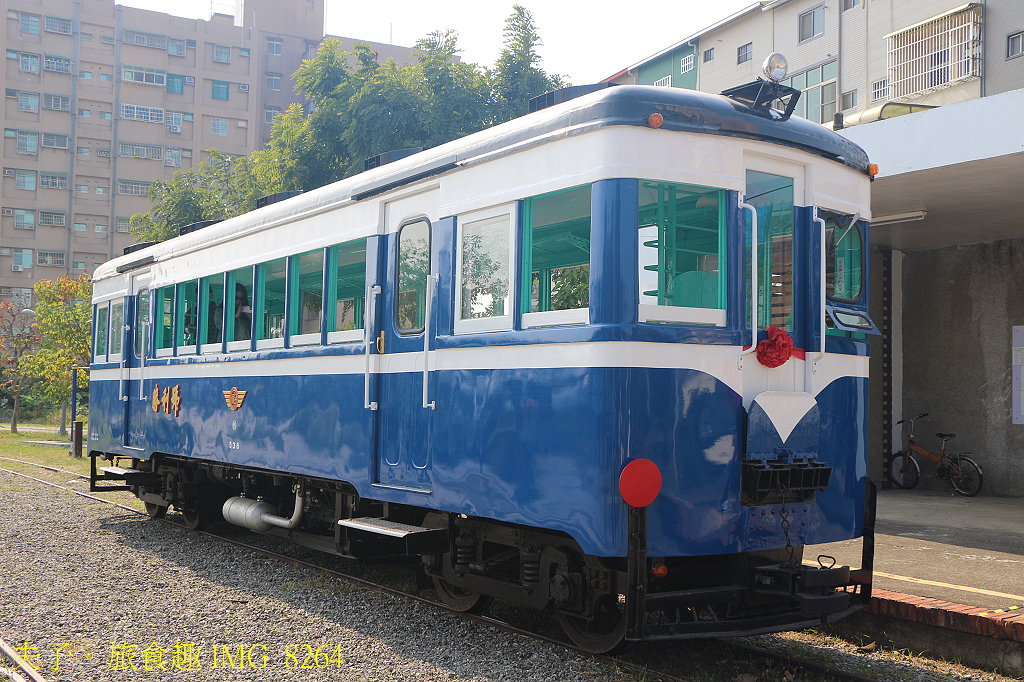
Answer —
920 416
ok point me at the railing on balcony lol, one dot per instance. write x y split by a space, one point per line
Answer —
934 54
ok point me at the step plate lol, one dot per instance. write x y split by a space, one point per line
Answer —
382 526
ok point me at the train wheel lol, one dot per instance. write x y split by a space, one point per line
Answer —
194 518
458 599
605 633
155 511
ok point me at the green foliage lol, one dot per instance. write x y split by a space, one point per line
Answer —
222 187
359 108
19 339
64 321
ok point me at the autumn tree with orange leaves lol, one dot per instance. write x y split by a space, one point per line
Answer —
19 339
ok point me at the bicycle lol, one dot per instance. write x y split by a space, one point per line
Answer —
963 472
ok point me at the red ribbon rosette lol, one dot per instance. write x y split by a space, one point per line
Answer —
776 349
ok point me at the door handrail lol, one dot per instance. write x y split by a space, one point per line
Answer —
371 293
754 298
431 289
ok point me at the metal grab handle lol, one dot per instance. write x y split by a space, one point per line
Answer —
823 273
431 287
371 293
753 280
122 384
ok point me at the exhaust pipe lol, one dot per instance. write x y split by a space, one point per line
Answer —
259 515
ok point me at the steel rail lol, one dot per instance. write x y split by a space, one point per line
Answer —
22 665
482 620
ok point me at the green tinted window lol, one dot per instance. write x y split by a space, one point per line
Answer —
101 331
188 308
238 320
348 286
141 322
843 260
165 317
772 196
116 327
413 268
682 245
272 298
212 320
307 293
556 253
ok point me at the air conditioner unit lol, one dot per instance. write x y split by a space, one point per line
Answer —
17 268
8 211
190 79
8 171
243 87
174 129
5 291
243 124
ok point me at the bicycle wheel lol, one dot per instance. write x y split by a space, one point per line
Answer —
968 480
904 471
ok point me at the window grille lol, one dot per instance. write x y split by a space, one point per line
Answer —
56 64
107 40
135 188
173 121
686 64
51 258
53 180
138 74
62 25
87 37
176 47
219 126
29 23
57 102
123 224
28 63
664 82
51 218
55 141
938 53
153 40
29 102
141 151
744 53
275 46
25 179
222 54
135 112
105 153
28 142
24 220
172 157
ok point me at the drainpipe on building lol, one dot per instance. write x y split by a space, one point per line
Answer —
984 21
69 223
696 63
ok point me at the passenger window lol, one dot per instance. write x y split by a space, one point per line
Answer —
484 267
348 290
556 256
238 318
844 254
188 318
772 197
211 330
307 297
413 268
272 277
681 253
101 331
164 320
116 329
141 323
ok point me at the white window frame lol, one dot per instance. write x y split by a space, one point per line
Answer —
214 125
665 82
62 26
709 55
800 21
25 102
51 259
56 64
1019 36
100 307
274 81
686 63
500 322
57 102
51 180
52 218
111 357
278 43
745 53
24 213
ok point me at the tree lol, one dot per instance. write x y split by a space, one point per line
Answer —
222 187
516 77
64 321
19 339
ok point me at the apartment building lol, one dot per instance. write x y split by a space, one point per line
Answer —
102 99
852 56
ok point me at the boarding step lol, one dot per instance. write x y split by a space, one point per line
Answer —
414 539
118 472
130 477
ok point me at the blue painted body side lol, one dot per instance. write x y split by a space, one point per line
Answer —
539 447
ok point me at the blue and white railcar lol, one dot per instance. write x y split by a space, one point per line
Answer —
525 356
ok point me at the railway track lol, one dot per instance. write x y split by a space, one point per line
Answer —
645 672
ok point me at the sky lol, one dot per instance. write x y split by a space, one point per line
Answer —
585 41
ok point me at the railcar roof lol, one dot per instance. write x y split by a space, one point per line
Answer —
683 110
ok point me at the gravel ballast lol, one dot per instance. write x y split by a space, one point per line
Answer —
93 587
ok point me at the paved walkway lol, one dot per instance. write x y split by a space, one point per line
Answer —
930 543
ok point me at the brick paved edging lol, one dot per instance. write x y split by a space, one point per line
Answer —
944 614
